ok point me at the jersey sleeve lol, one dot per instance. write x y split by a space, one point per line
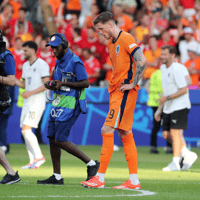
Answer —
9 66
80 71
130 44
44 70
179 77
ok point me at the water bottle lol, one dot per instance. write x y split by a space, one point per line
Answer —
198 144
189 146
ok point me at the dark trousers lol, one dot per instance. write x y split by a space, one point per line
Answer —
3 127
155 129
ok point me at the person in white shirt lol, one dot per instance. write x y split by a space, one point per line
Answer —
176 104
184 44
34 74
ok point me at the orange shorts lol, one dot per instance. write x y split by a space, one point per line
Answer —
121 109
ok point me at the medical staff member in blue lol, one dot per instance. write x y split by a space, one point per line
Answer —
69 82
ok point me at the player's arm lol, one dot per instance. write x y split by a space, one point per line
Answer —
140 66
9 80
27 94
20 83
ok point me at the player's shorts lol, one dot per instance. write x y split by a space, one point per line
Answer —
176 120
121 109
60 130
32 110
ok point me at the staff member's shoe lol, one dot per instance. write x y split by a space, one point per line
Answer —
51 180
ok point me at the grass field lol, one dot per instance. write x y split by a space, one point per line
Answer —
156 185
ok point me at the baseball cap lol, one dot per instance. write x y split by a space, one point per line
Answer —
56 40
187 30
157 9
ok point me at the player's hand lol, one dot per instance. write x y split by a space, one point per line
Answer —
49 85
162 99
157 115
124 87
27 94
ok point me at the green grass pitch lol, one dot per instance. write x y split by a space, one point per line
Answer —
156 185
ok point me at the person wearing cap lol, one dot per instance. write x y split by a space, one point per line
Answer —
69 82
184 44
158 24
193 65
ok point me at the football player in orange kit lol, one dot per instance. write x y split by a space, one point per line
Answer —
128 65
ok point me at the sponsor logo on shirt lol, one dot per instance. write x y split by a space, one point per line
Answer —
132 45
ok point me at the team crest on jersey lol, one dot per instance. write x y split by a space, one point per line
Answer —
117 49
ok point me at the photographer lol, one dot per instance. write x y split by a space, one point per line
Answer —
7 78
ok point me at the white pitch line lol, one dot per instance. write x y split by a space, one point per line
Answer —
143 193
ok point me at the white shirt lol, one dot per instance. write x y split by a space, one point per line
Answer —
34 73
183 48
173 78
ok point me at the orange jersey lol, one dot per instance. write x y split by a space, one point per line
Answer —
123 64
194 64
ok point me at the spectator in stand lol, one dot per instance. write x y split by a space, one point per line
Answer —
123 21
69 7
55 4
188 7
92 66
167 39
153 57
66 27
128 6
79 43
18 55
5 19
16 4
92 40
158 24
142 29
22 32
21 20
45 53
101 51
89 18
184 44
193 65
196 29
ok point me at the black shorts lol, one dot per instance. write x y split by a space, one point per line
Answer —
176 120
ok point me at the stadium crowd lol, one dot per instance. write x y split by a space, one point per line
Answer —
153 23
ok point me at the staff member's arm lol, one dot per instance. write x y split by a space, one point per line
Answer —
9 71
81 76
9 80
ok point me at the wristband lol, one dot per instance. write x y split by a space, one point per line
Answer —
168 98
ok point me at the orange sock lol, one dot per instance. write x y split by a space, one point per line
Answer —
106 151
130 152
